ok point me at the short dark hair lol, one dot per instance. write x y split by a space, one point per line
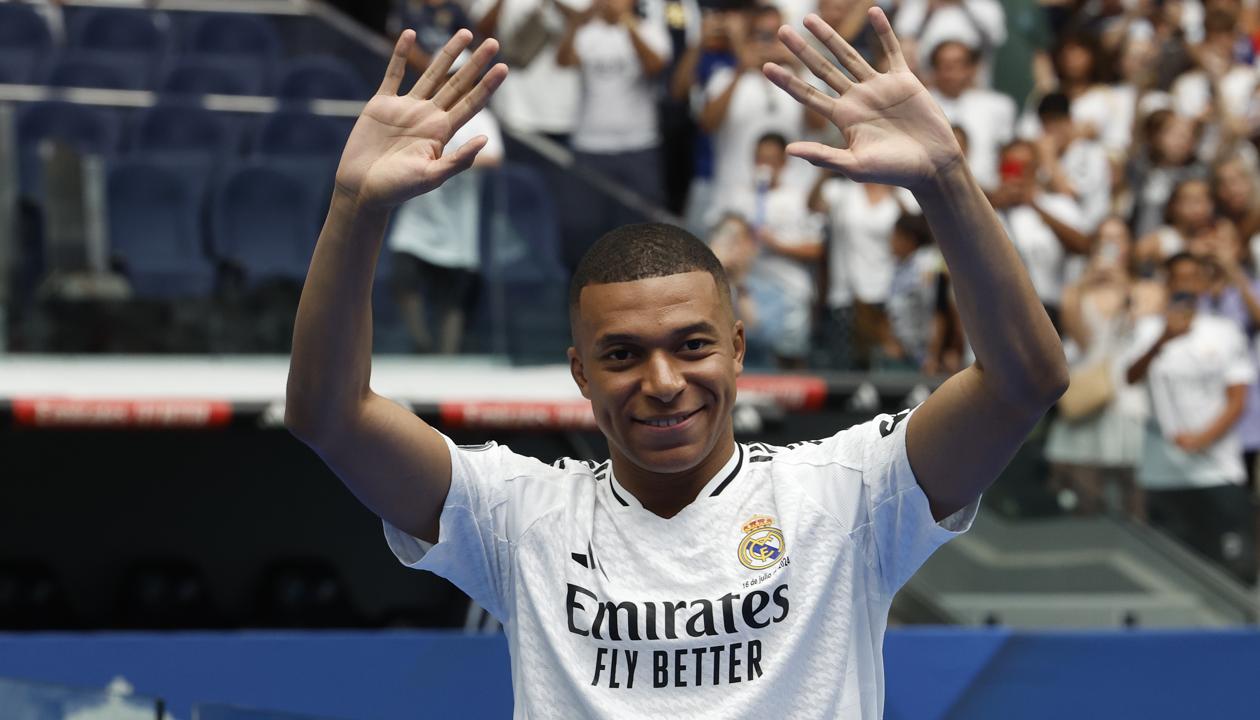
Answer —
773 137
1180 257
973 54
641 251
915 227
1054 106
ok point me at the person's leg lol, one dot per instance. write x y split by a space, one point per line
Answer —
454 313
407 284
1132 495
1087 484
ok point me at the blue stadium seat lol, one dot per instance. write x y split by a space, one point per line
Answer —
22 27
202 75
236 34
321 76
118 30
525 292
21 65
265 217
100 69
155 228
301 134
521 232
172 127
89 129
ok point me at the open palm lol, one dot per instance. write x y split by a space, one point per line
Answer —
394 152
895 132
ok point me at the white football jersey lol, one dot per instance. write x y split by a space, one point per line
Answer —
767 596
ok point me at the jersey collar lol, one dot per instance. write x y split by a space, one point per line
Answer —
713 488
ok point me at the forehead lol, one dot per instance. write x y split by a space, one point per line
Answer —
649 307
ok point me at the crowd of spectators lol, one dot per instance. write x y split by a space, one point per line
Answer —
1127 179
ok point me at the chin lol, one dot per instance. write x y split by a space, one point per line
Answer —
669 461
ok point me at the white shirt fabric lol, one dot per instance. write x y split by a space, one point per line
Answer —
442 227
757 107
1109 109
860 260
617 112
767 596
988 118
978 24
541 97
1088 170
1038 246
1186 382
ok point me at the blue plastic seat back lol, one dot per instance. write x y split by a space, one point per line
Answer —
301 134
117 29
22 27
155 228
101 69
172 127
321 76
236 34
21 65
265 218
217 75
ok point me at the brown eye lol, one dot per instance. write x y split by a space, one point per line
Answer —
695 344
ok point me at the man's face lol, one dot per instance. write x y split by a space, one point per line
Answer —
953 71
763 37
1187 276
658 359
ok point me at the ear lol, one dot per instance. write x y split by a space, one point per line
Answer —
578 371
738 340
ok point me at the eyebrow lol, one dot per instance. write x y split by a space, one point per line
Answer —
702 327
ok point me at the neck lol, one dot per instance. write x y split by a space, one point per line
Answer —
666 494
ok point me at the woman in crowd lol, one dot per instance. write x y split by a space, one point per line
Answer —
1095 440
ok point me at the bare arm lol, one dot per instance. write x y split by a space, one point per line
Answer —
897 135
1235 402
684 77
714 112
651 62
1072 240
391 460
566 53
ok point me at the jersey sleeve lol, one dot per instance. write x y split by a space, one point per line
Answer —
486 510
1239 369
905 533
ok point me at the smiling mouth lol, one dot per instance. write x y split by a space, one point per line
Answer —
668 420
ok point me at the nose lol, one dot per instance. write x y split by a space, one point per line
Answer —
661 379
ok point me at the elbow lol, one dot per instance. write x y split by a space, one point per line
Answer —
1052 382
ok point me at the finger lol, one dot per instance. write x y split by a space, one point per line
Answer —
823 68
851 59
454 163
435 74
887 39
397 64
473 102
801 91
840 160
463 81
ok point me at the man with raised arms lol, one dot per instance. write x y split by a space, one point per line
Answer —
690 575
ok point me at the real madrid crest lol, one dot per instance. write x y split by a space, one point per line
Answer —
763 544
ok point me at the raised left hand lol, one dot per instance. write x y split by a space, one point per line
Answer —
895 132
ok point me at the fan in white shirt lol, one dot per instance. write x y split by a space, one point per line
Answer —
1045 227
741 106
987 116
690 575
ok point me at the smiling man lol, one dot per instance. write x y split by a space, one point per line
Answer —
690 575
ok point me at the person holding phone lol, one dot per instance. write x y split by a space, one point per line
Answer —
1197 370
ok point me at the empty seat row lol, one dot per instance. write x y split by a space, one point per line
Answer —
171 226
128 30
186 129
302 78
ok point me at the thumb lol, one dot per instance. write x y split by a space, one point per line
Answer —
454 163
840 160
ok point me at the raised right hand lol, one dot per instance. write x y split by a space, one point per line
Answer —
394 152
